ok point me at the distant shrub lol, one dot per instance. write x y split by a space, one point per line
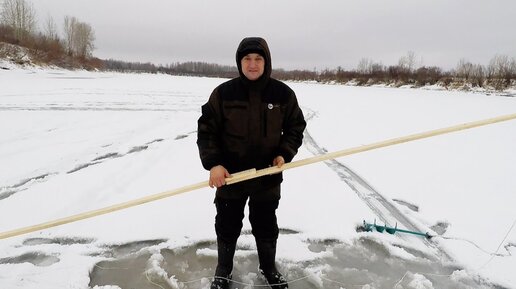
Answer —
7 34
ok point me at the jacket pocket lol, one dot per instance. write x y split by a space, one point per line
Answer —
236 119
273 122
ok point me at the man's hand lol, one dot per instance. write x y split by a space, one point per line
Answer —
278 161
218 175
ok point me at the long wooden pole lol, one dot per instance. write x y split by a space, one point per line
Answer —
251 174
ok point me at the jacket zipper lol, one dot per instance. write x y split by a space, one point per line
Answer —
265 123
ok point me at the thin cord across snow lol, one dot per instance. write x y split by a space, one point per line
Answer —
233 280
150 281
472 243
342 284
253 285
421 273
271 285
399 281
305 277
495 253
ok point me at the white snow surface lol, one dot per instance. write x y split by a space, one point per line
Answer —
74 141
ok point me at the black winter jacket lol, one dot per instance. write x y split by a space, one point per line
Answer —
246 124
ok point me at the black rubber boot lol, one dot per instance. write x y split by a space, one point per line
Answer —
267 257
220 282
226 252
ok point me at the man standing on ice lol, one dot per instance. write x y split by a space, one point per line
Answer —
252 121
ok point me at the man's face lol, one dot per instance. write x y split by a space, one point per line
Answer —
253 65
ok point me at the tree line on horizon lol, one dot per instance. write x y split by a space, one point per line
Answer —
74 49
499 74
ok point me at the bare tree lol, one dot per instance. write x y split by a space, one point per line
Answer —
501 70
473 73
19 15
79 37
513 68
478 75
50 29
501 66
364 66
464 69
84 40
69 33
408 62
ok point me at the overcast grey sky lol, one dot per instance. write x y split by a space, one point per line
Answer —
302 34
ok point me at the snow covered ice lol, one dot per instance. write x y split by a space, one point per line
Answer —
74 141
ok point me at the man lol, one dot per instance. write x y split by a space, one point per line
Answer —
252 121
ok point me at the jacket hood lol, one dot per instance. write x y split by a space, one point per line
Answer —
254 45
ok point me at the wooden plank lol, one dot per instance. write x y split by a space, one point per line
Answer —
252 173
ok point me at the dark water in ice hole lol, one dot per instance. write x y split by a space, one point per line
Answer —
365 264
